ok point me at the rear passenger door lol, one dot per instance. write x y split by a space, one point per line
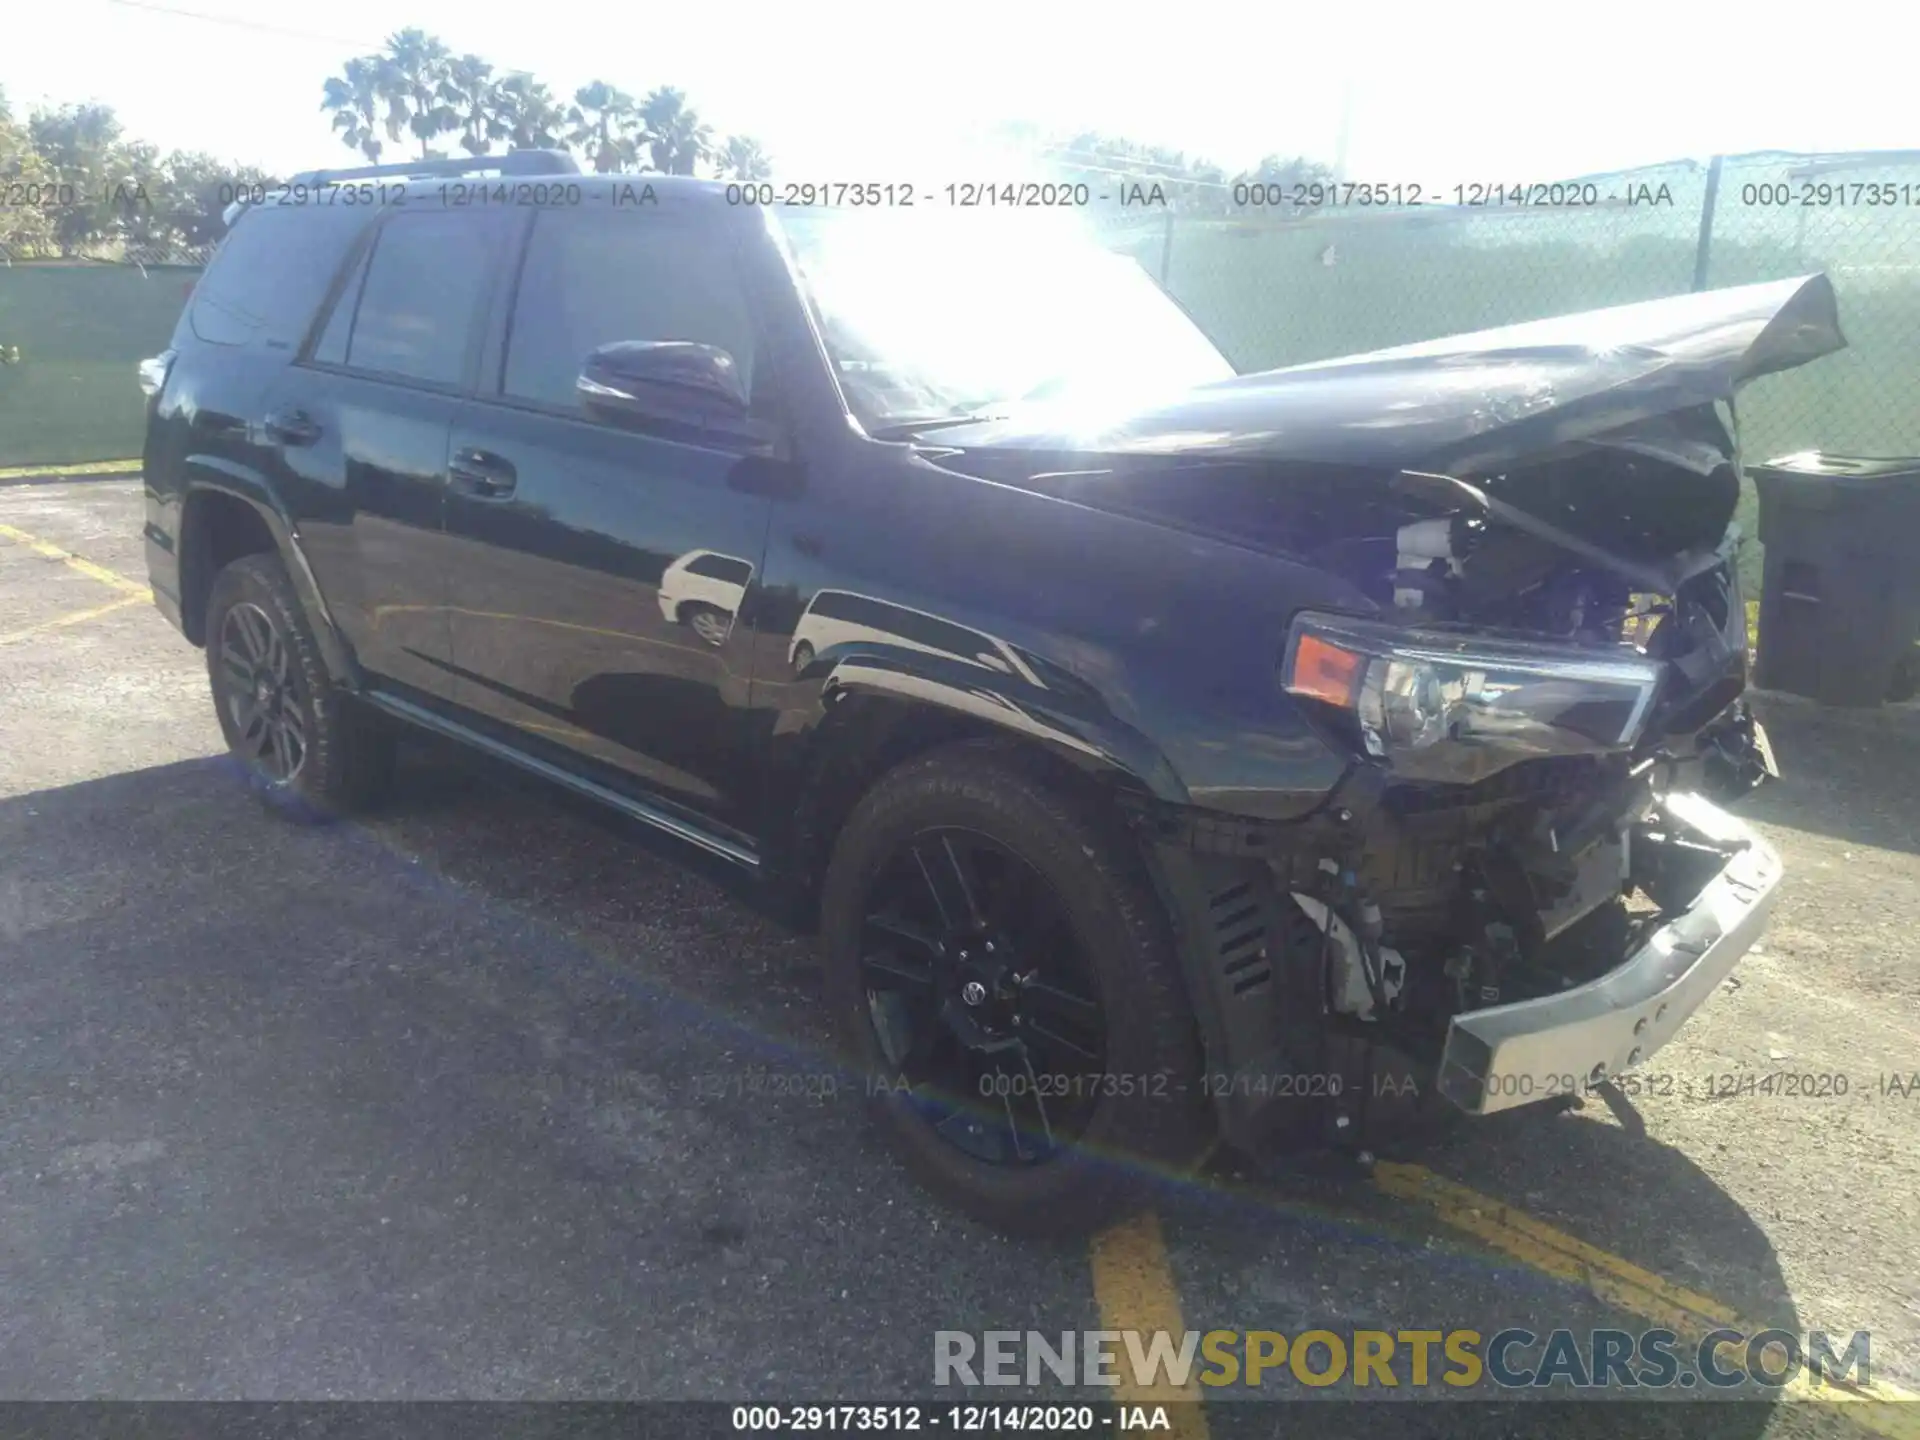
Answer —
604 575
360 424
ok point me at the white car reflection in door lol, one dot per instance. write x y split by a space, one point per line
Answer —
703 590
840 617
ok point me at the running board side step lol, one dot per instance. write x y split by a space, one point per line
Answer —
633 809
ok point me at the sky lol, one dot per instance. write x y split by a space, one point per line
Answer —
1435 94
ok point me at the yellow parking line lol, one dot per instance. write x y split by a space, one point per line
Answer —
1626 1286
75 562
99 467
1134 1288
77 617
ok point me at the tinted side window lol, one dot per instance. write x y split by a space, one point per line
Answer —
331 348
837 605
591 278
722 567
939 635
422 297
271 273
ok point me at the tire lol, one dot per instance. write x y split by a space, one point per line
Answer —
332 757
709 622
1147 1113
802 656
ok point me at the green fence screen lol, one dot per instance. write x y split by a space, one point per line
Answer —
81 327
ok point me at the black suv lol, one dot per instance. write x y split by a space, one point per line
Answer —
1167 756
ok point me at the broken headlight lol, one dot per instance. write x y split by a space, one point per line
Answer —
1429 702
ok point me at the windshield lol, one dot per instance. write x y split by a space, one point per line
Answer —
931 318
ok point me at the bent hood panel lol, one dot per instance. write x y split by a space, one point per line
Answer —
1466 403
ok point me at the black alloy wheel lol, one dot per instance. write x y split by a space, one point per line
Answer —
261 693
1003 973
310 751
979 997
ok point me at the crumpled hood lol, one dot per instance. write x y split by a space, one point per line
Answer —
1466 404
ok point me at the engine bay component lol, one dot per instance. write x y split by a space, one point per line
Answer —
1716 880
1428 555
1735 755
1449 489
1351 992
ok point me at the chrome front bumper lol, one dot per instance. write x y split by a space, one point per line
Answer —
1533 1050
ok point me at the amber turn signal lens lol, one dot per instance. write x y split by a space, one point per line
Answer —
1325 671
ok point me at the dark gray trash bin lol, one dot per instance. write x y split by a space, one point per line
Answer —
1840 597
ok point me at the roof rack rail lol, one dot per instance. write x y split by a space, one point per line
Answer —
514 162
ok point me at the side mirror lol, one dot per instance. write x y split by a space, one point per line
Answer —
679 383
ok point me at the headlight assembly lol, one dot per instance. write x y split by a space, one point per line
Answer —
1450 706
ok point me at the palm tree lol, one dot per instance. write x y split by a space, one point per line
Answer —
604 125
527 110
412 72
353 99
741 158
469 93
676 139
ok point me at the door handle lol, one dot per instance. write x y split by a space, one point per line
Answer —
482 473
292 427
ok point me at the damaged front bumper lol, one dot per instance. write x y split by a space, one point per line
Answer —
1555 1045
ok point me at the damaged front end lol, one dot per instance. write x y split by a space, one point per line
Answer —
1524 885
1517 939
1710 882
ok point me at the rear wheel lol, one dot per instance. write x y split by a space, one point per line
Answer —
307 748
1004 976
710 624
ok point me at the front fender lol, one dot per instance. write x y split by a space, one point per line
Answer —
1073 724
1259 1011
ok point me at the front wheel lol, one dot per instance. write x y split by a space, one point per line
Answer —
308 750
1005 977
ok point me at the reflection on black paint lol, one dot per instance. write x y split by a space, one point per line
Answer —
838 618
704 590
667 717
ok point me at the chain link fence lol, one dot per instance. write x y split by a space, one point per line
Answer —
1792 214
1277 292
1288 291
